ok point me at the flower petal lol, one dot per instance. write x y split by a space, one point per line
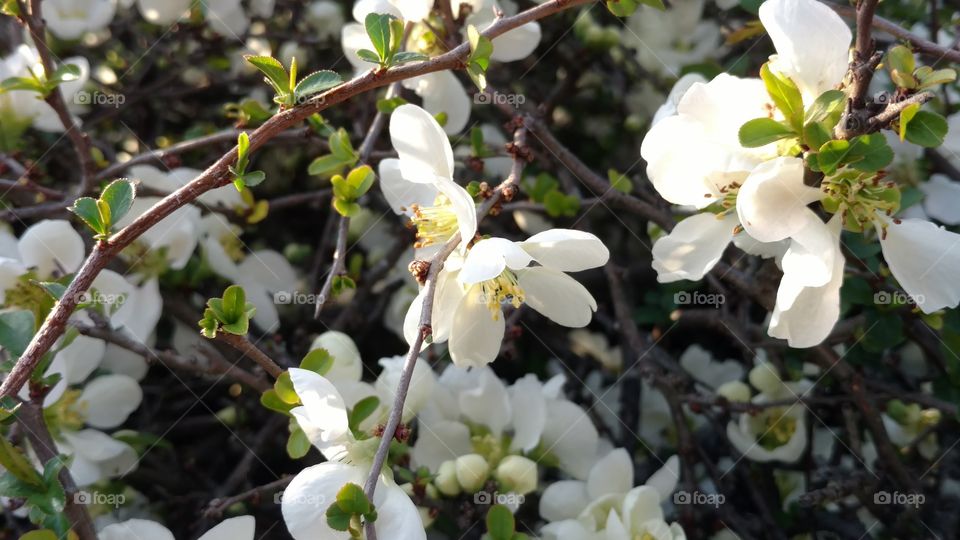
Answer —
693 247
812 43
529 412
516 44
772 203
488 403
613 473
942 201
440 441
51 245
109 400
323 415
568 250
237 528
557 296
925 259
442 92
312 491
347 363
421 145
135 529
401 194
489 257
564 499
570 435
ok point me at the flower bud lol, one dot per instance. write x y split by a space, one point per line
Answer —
517 474
764 377
472 472
734 391
446 480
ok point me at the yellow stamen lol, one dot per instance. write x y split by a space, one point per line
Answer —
435 224
503 289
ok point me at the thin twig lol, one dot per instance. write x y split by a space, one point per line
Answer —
242 344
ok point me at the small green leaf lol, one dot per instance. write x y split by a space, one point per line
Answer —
209 324
361 180
933 78
316 82
500 523
106 217
763 131
927 129
408 56
815 134
271 400
346 208
119 196
378 30
387 106
906 115
318 361
900 58
234 302
271 67
254 178
368 56
285 390
326 165
297 444
785 95
352 500
16 331
827 104
86 209
362 410
337 519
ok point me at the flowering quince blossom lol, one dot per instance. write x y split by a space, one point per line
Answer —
323 418
420 185
163 11
667 41
70 19
472 292
237 528
24 108
638 515
775 433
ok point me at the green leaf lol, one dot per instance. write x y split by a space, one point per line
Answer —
119 196
362 410
763 131
16 331
827 104
864 153
340 145
352 500
619 181
106 217
285 390
378 30
17 464
346 208
271 400
906 115
500 523
317 82
927 129
209 324
40 534
337 519
361 180
253 178
86 209
297 444
275 72
785 95
327 165
64 73
234 302
239 327
900 58
815 134
387 106
22 83
928 77
408 56
318 361
368 56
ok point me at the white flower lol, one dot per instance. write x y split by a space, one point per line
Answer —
325 18
776 433
23 108
667 41
420 182
924 258
70 19
609 481
513 45
495 272
323 418
636 514
226 17
163 12
941 199
237 528
700 364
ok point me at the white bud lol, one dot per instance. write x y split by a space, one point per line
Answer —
446 480
472 472
734 391
517 474
764 377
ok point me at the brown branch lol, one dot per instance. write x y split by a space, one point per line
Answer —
30 417
248 349
218 175
218 506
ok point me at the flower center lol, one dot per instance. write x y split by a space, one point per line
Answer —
503 289
67 414
435 224
858 197
779 428
644 536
